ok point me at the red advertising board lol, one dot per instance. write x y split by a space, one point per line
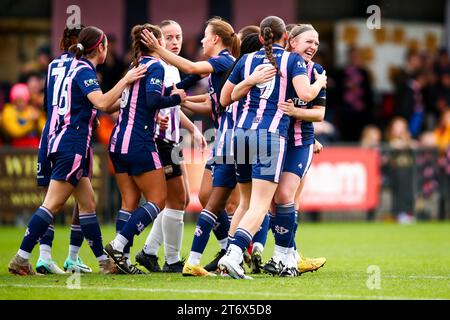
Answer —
342 178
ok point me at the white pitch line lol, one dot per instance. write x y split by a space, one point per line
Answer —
264 294
417 277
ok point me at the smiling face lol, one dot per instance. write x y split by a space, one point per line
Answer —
209 42
173 37
306 44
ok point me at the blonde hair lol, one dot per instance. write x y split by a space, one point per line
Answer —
298 30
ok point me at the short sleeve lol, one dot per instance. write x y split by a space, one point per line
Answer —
155 79
87 81
237 75
220 64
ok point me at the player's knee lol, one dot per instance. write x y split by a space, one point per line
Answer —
231 207
203 197
87 205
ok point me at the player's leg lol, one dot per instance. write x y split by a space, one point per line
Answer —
222 227
261 195
173 224
130 196
45 263
152 185
284 226
84 196
205 224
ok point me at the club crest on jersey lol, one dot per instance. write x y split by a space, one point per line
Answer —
90 82
301 64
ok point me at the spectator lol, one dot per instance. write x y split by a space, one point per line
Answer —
371 138
442 132
427 175
20 120
356 98
113 69
409 102
39 65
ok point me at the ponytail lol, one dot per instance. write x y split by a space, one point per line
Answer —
268 47
88 41
272 29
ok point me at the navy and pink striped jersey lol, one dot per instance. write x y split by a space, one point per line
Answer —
74 114
302 132
260 110
56 71
134 130
221 64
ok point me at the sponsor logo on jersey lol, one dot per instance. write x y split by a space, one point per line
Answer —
156 81
90 82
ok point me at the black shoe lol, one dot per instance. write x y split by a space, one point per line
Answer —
149 261
273 267
119 259
257 264
176 267
212 266
135 270
289 272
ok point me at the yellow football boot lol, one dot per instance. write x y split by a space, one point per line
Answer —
310 264
196 271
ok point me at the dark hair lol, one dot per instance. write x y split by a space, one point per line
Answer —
137 46
245 31
290 26
69 37
272 30
249 44
88 41
225 32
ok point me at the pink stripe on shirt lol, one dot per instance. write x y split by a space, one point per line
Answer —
248 64
282 92
132 112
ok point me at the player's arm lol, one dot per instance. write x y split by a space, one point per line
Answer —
203 108
315 114
181 63
307 91
107 102
186 123
201 98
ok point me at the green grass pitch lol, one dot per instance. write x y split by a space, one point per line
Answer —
413 262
